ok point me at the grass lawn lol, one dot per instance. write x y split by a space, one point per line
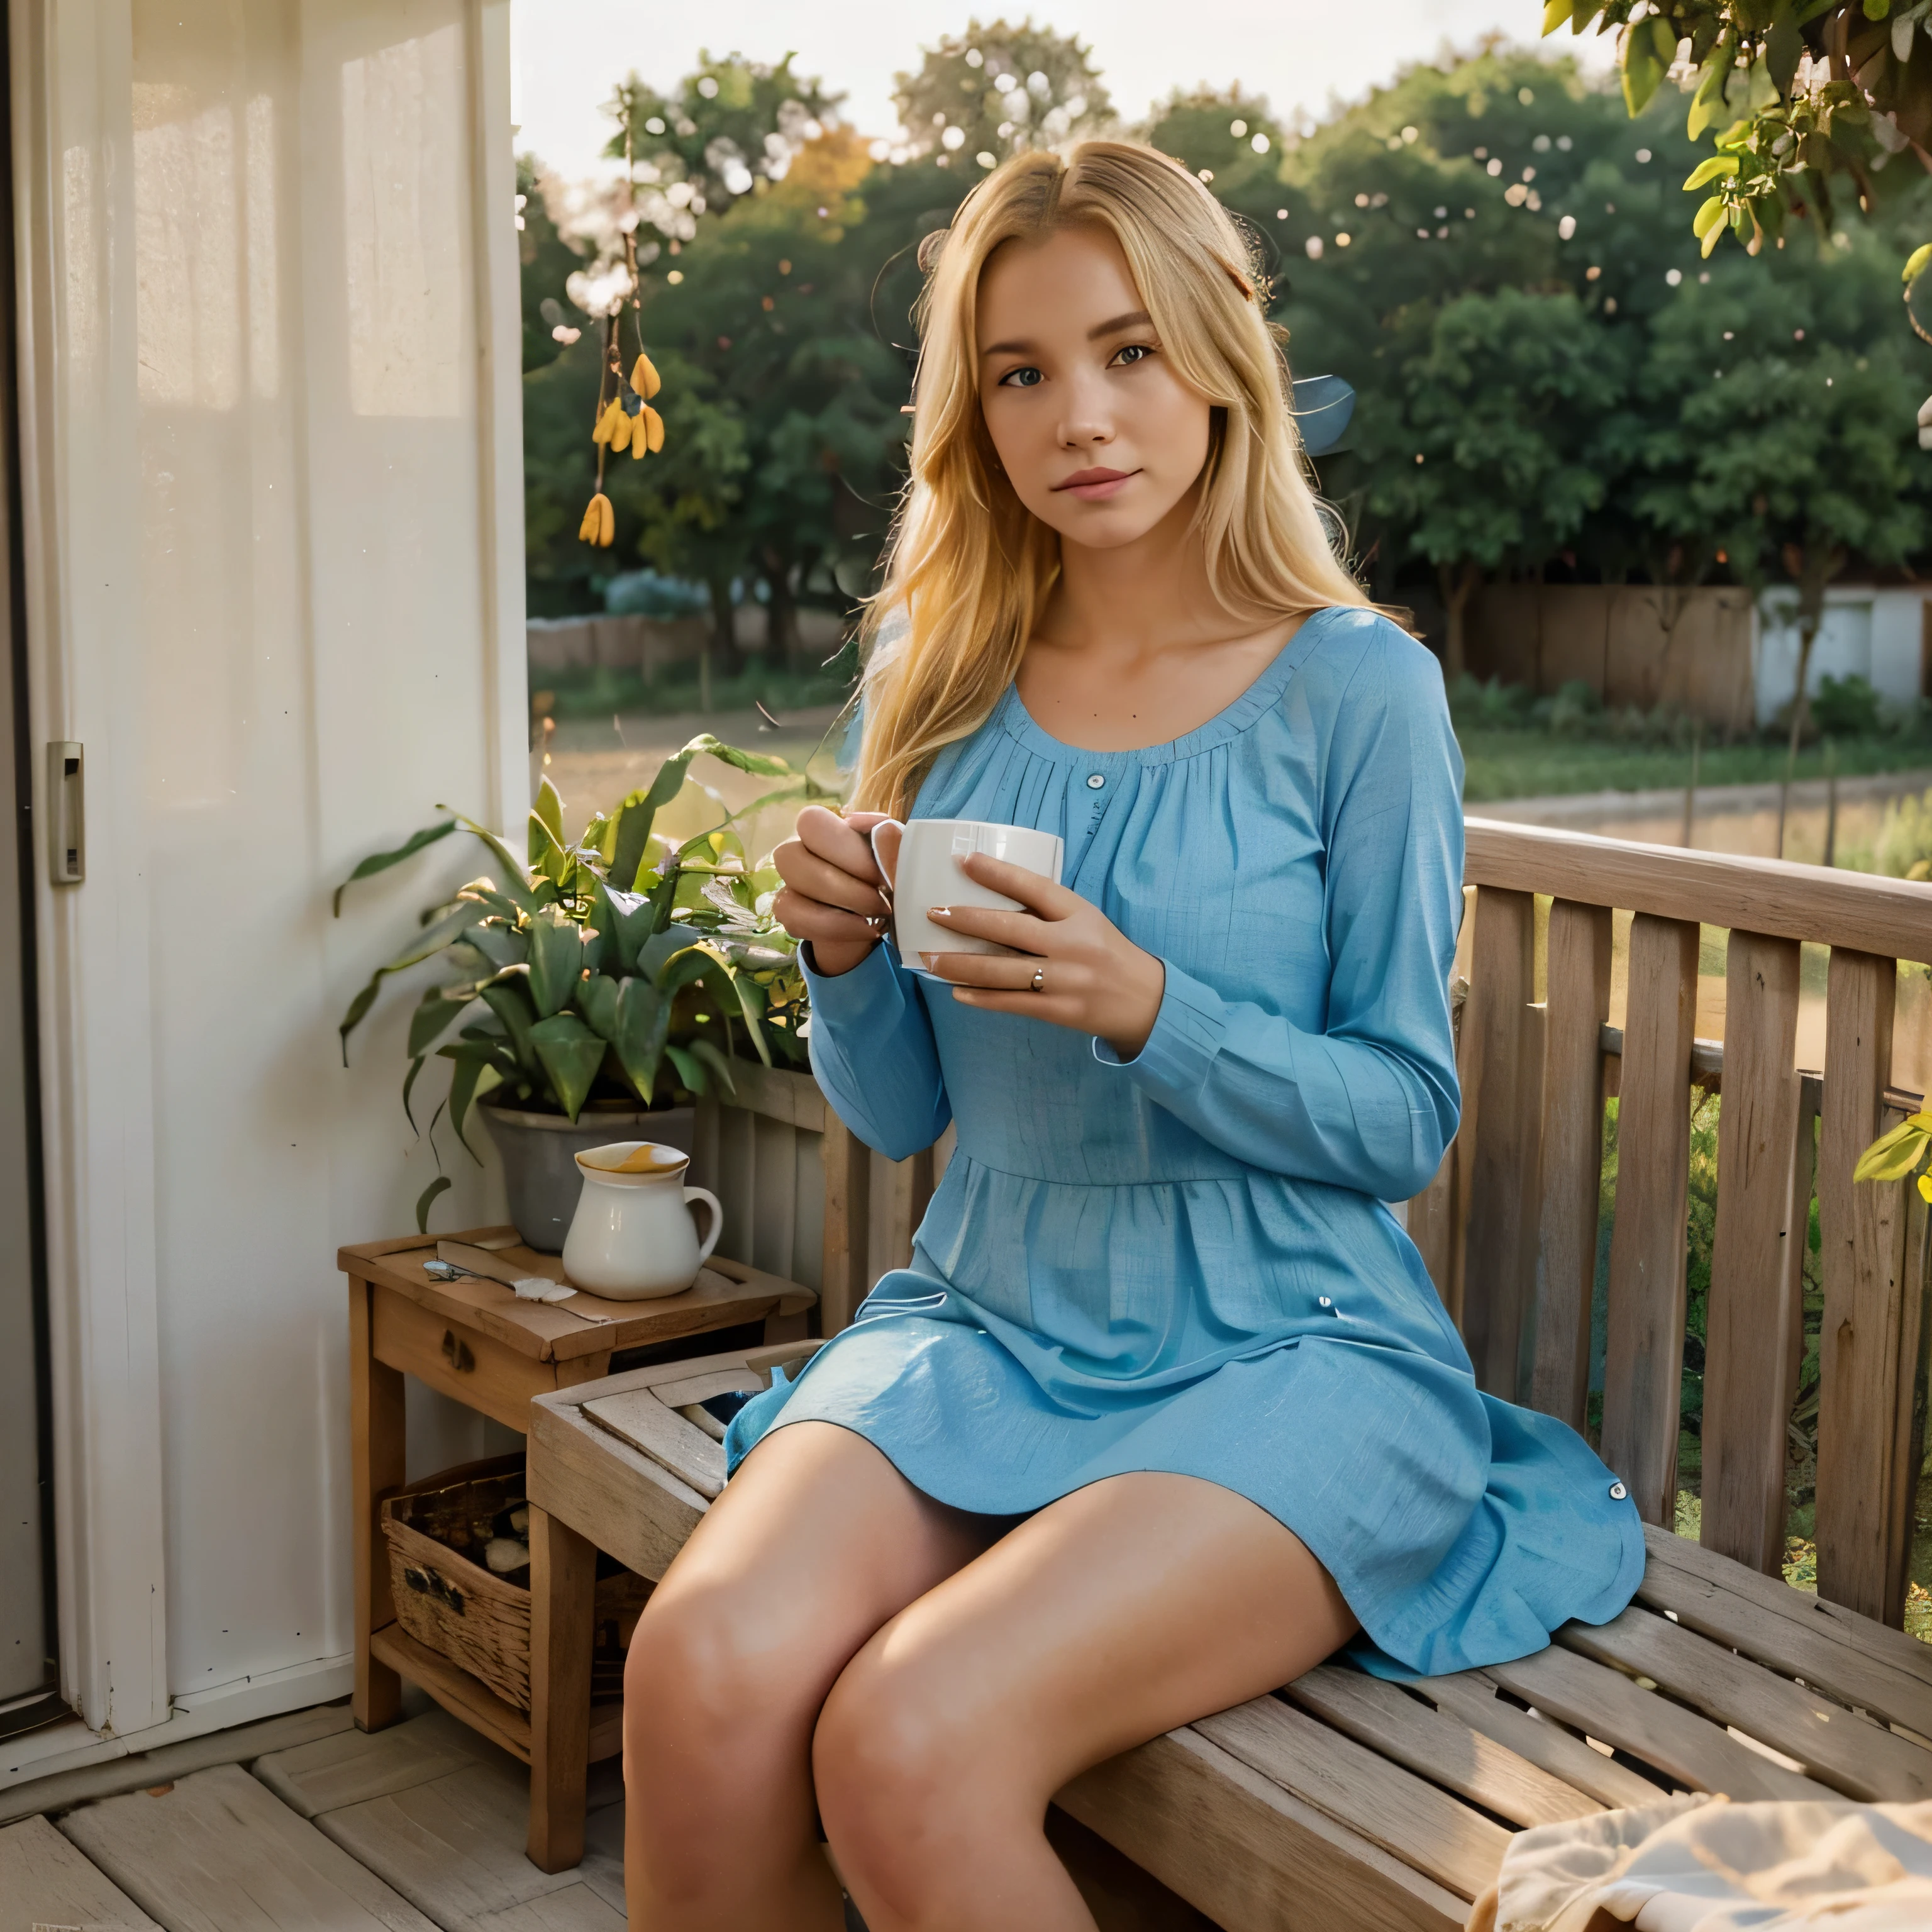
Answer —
1506 762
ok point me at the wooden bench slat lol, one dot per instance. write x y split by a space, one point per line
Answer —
1542 1740
1848 1657
1852 1754
1253 1857
1500 1135
1578 978
1643 1373
1748 1327
641 1419
1423 1827
1861 1558
1605 1703
630 1507
1439 1747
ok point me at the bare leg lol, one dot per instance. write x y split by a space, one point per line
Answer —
1132 1606
815 1543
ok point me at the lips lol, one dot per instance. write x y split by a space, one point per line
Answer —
1094 485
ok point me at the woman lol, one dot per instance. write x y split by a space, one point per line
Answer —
1165 1410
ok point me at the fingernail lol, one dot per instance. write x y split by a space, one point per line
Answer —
939 912
928 958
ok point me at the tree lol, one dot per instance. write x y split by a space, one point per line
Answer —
1796 92
546 261
1776 402
997 89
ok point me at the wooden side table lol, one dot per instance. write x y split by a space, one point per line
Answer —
475 1342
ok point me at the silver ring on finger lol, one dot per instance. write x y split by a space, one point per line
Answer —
1039 979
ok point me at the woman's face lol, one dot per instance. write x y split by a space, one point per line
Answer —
1096 432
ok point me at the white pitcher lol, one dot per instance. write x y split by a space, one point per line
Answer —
631 1238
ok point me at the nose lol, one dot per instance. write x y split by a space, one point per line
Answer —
1088 423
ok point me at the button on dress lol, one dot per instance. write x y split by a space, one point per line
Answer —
1183 1261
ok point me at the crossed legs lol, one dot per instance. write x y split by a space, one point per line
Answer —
832 1643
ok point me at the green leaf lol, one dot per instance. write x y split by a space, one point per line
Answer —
1642 71
427 1199
426 944
509 1000
547 856
643 1022
1917 262
703 1050
408 1081
1708 169
1783 46
435 1012
1893 1156
1707 216
1583 13
475 1073
571 1054
1554 15
519 886
548 811
1662 41
502 945
556 961
381 862
685 968
690 1075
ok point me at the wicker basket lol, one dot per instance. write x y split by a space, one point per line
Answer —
448 1598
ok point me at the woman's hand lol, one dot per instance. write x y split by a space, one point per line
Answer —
831 894
1091 976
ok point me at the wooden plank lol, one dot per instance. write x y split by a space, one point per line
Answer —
352 1767
563 1584
1846 1656
776 1093
461 1362
1425 1827
1497 1140
46 1882
377 1443
62 1790
1804 1179
1540 1740
1606 1706
1748 1370
848 1189
1431 1223
1909 1401
1862 1251
461 1695
576 1908
219 1853
714 1382
1644 1368
1852 1754
628 1506
642 1421
1787 901
1436 1746
1121 1897
1251 1855
1578 1006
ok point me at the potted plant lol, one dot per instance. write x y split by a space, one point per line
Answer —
598 987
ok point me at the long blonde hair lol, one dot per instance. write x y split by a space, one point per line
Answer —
970 567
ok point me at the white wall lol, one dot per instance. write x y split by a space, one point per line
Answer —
1869 632
270 362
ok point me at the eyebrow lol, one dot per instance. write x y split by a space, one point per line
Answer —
1134 319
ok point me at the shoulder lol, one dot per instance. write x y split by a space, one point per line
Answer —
1359 662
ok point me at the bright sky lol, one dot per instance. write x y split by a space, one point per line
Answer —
1300 53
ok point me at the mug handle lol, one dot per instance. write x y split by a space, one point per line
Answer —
710 1200
872 840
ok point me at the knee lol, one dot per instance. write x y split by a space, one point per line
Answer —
704 1681
903 1759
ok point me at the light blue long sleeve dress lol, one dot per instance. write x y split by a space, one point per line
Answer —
1182 1261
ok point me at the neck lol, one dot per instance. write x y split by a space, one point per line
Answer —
1135 599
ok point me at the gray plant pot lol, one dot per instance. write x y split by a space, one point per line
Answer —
540 1151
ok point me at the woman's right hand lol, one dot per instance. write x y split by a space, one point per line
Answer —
833 893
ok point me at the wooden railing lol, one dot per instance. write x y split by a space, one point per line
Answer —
1509 1227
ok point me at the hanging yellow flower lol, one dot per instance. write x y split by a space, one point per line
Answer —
626 421
600 523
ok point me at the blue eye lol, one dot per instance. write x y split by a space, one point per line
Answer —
1021 379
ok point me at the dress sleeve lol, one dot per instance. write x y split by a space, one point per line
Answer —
1370 1102
873 1054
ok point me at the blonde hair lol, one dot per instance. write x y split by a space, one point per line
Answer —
970 567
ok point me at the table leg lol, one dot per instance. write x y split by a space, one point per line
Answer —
563 1582
377 1441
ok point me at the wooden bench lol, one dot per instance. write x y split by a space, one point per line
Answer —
1344 1801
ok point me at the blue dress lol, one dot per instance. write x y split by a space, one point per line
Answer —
1183 1261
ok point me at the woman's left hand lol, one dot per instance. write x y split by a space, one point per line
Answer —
1092 977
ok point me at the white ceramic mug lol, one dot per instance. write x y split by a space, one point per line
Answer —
928 873
631 1238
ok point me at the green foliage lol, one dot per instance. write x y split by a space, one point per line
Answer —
1904 848
1784 125
620 967
998 89
1846 706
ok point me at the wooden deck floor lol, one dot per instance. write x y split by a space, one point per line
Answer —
415 1829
